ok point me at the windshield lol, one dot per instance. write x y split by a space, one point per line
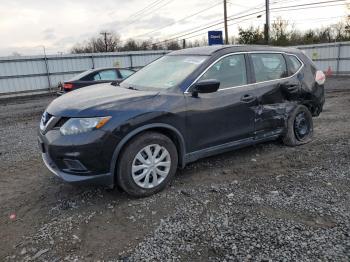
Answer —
166 72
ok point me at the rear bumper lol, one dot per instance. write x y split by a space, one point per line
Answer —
102 179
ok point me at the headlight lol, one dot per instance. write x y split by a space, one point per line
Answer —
81 125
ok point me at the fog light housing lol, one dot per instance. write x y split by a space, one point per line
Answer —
74 165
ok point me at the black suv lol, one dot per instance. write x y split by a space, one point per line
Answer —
187 105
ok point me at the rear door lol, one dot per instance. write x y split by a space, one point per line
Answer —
224 116
270 73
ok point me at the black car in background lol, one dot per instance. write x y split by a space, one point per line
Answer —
95 76
187 105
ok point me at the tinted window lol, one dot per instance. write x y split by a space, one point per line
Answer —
269 66
82 76
89 77
110 74
293 64
125 72
230 71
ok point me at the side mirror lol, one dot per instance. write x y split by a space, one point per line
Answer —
205 86
115 83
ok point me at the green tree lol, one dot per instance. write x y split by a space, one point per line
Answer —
250 35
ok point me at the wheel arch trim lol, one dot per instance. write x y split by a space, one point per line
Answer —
137 131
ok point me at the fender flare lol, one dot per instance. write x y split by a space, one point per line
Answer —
144 128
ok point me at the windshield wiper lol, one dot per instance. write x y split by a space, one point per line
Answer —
132 88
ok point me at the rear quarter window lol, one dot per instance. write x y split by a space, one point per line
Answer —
293 64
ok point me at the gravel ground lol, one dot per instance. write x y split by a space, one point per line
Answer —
262 203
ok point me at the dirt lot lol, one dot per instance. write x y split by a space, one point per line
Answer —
267 202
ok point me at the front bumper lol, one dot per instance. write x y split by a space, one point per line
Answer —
84 158
103 179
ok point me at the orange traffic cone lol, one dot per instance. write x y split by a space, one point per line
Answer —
329 71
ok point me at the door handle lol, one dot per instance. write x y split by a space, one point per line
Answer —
247 98
291 88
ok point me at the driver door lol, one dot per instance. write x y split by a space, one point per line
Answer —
225 116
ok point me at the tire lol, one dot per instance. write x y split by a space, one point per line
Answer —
139 164
299 127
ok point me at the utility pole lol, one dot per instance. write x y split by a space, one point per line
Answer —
225 21
105 38
267 23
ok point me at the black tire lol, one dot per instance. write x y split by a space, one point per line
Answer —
126 160
299 127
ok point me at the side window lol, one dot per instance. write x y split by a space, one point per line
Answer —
109 74
125 73
269 66
230 71
89 77
293 64
97 76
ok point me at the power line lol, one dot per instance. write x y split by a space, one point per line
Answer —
253 13
217 28
144 14
308 4
205 28
310 7
319 20
145 8
180 20
237 22
217 22
316 19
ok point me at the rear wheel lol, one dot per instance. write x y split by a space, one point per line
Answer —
147 164
299 127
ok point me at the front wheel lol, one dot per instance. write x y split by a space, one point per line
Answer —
147 164
299 127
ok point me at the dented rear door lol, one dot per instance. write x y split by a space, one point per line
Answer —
271 79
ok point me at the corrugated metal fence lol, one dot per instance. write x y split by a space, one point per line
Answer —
43 73
333 58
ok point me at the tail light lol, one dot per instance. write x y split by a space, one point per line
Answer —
320 77
67 86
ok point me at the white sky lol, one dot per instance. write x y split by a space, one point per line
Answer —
26 25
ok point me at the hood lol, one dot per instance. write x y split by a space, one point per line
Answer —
95 100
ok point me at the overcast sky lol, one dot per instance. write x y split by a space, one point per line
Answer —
26 25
